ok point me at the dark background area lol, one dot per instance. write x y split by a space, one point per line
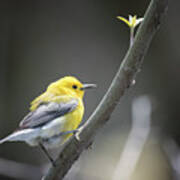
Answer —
42 41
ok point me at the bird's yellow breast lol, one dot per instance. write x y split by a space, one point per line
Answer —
73 119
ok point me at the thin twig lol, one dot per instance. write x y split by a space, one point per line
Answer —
131 41
122 81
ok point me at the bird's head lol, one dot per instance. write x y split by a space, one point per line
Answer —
70 85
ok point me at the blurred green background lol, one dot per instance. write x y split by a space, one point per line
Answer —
42 41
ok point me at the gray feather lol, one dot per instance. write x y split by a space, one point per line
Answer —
23 135
46 113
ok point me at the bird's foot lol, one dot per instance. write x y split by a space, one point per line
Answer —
77 133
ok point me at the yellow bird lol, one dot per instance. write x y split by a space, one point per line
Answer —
54 116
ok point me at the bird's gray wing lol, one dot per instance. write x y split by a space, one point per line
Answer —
46 113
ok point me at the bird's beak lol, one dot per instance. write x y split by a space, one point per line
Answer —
88 86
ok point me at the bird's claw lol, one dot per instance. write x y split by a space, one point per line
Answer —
77 133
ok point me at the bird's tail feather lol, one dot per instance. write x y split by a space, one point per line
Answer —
22 135
3 140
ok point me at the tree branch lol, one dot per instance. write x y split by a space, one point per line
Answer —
129 67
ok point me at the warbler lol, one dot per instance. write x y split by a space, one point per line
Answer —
54 116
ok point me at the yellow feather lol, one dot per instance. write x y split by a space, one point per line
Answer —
67 90
61 91
58 91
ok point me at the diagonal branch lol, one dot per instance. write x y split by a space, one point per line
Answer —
121 82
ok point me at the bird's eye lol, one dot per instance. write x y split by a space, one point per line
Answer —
74 87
